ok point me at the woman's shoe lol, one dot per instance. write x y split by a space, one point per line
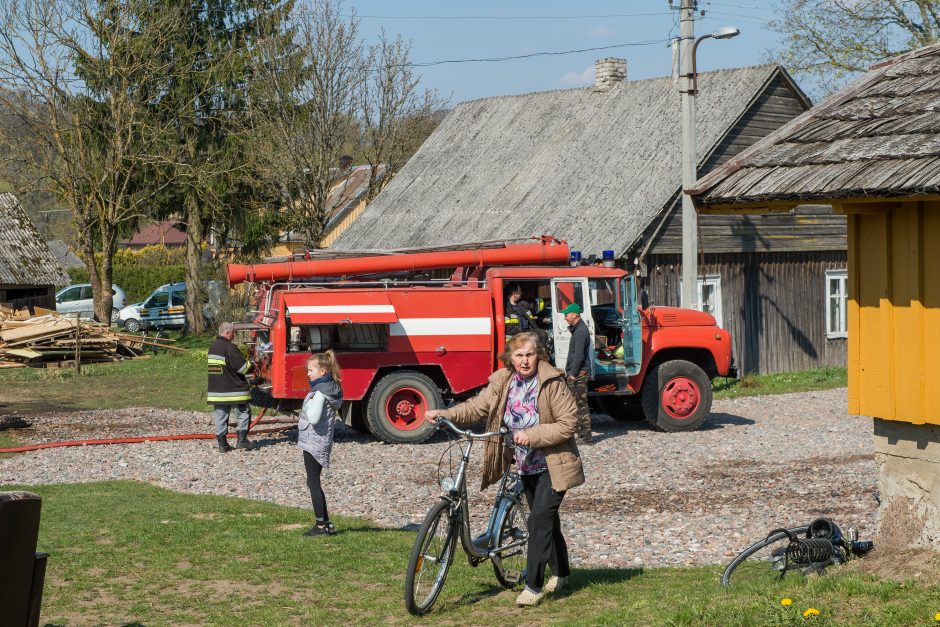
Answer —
554 584
529 597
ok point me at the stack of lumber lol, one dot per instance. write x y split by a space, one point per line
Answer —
50 340
12 313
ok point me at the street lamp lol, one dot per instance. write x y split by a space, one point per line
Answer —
689 161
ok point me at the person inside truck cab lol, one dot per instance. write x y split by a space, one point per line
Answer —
519 315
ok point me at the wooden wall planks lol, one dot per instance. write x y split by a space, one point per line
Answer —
774 305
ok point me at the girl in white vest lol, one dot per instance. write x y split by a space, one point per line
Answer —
315 431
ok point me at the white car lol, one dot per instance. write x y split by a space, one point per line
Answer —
77 298
129 317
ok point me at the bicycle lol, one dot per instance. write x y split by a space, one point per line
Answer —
155 343
503 543
808 549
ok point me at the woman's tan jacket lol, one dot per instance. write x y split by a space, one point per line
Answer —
555 432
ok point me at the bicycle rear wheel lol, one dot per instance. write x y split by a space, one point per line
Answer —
510 569
762 562
431 557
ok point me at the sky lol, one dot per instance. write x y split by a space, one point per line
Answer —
441 31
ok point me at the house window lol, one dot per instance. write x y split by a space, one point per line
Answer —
837 296
709 295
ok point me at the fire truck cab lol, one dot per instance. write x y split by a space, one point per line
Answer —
408 342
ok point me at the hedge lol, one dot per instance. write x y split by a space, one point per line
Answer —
137 281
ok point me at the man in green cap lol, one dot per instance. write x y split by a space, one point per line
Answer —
578 367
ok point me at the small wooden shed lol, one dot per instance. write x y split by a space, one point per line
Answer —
873 151
29 272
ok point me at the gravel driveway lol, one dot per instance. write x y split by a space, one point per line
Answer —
651 498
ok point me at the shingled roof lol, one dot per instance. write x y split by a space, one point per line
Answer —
591 167
878 137
25 259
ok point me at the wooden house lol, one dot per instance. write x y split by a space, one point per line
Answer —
345 203
600 167
872 150
29 272
165 233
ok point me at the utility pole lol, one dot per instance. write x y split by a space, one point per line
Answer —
689 159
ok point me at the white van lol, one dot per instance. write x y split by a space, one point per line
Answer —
165 308
78 299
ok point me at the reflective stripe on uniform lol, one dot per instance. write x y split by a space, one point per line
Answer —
245 368
217 359
228 397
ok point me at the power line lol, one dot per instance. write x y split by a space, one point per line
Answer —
750 19
749 7
534 54
502 17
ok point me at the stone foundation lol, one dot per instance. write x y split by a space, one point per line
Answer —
908 458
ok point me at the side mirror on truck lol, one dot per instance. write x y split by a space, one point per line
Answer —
644 300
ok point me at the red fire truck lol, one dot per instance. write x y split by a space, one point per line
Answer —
408 342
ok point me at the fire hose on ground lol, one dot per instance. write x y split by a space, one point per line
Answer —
153 438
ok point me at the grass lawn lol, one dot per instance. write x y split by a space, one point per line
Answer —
123 552
782 383
168 380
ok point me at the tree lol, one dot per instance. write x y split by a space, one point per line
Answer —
306 119
335 97
71 72
395 115
833 39
208 102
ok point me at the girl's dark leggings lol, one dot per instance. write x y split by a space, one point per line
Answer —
313 468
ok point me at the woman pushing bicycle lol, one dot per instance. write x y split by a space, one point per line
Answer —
531 398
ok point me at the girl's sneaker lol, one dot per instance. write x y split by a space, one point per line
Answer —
325 530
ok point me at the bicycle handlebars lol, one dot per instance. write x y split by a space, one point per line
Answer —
466 433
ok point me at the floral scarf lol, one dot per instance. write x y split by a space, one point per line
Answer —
522 413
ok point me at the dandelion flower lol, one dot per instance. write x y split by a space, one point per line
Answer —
789 602
936 617
812 611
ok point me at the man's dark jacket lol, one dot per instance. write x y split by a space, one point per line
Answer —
579 350
227 368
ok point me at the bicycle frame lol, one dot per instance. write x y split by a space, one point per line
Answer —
510 489
452 513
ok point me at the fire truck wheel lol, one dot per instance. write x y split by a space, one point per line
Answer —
396 407
622 408
677 396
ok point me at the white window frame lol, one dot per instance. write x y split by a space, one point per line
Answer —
839 278
715 281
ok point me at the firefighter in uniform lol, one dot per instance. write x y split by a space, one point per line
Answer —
579 367
228 388
519 315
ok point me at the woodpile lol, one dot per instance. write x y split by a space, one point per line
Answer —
50 340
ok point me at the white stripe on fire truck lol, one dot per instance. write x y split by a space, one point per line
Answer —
441 326
325 309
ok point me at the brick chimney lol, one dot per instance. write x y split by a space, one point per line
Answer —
608 72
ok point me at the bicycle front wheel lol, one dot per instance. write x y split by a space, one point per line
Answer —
762 562
431 557
513 529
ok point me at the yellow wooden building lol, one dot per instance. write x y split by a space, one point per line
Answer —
872 150
346 202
